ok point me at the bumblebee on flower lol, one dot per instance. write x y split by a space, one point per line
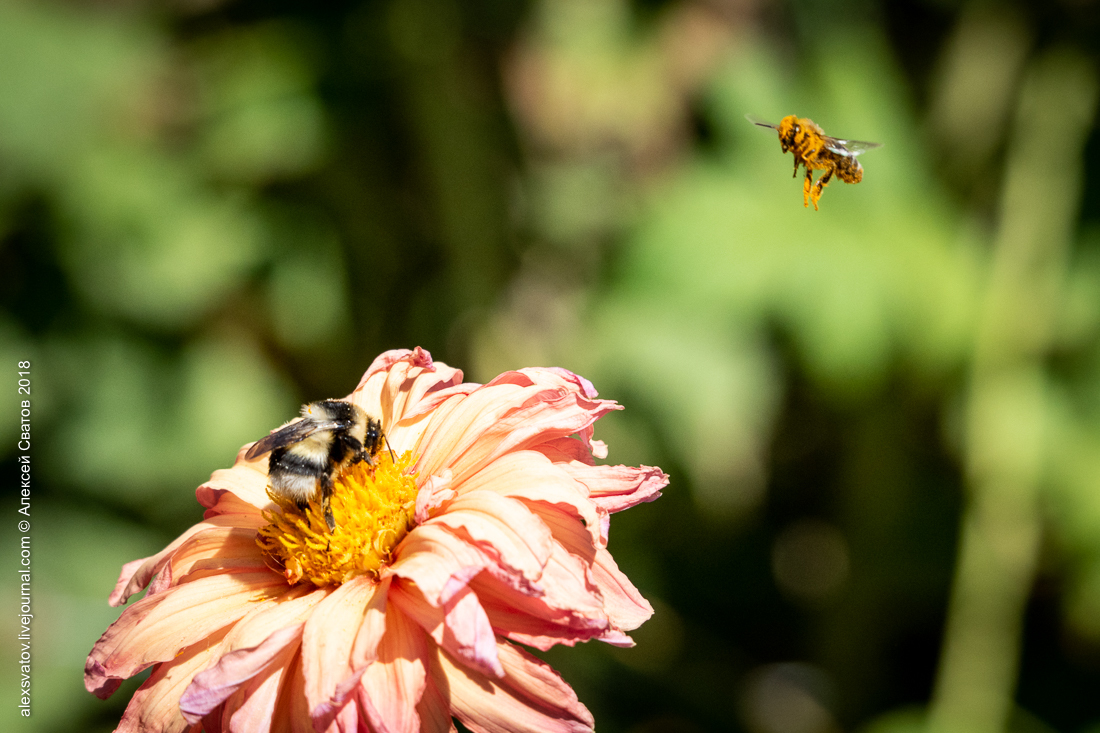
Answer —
485 529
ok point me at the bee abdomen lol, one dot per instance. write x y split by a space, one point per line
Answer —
294 473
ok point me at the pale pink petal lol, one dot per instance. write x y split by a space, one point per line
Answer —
545 488
253 708
220 548
434 707
501 527
391 687
437 561
625 606
434 492
613 487
398 381
213 686
384 362
247 480
530 698
247 649
155 629
332 654
620 487
136 574
564 450
570 608
460 626
221 501
292 709
155 705
566 382
514 411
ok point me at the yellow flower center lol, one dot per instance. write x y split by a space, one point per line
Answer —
373 507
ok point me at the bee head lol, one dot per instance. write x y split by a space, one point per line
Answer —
788 131
372 440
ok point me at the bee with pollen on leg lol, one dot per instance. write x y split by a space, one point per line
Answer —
815 150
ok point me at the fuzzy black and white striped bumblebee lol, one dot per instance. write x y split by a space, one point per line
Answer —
308 455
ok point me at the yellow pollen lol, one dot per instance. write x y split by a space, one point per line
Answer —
373 507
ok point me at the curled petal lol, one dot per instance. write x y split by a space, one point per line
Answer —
503 529
625 606
391 689
568 611
612 487
340 639
254 707
461 626
246 480
546 489
155 705
212 687
136 574
437 561
155 629
530 698
514 411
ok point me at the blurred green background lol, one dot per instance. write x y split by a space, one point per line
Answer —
881 420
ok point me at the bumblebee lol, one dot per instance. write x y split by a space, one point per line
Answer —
308 455
815 150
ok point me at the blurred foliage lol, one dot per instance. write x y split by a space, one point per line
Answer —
881 419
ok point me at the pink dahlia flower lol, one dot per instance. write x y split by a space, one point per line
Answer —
485 531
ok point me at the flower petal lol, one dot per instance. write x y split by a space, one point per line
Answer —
530 698
398 381
502 528
211 687
136 574
515 410
567 611
155 629
460 626
249 648
340 639
292 709
391 687
625 606
545 488
155 705
612 487
220 548
247 480
438 561
254 707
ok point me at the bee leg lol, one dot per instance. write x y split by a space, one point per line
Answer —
326 493
820 187
806 184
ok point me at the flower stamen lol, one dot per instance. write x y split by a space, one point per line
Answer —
374 508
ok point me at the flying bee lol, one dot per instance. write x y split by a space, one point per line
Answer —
308 455
815 150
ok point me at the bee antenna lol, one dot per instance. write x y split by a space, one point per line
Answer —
393 458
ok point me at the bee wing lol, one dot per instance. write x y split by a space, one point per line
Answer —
850 148
290 434
763 123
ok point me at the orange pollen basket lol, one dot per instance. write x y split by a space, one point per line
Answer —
373 506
